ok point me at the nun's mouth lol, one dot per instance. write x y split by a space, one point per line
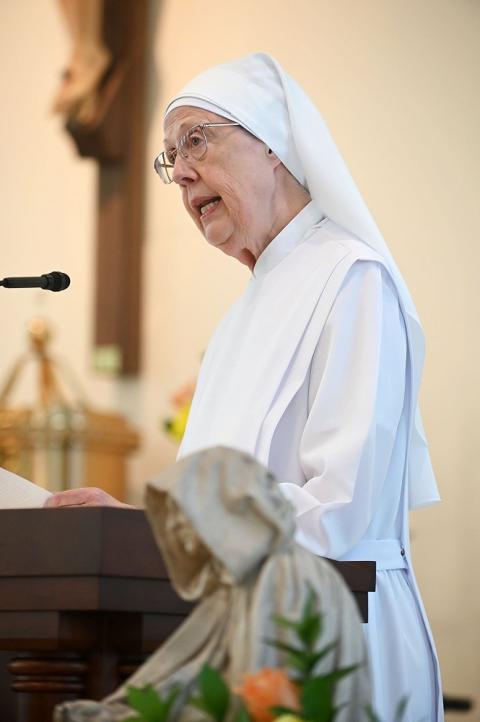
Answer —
208 208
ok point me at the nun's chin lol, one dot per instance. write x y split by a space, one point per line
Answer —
218 229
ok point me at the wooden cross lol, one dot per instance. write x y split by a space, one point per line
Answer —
116 139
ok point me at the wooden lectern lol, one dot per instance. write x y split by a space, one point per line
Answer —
84 599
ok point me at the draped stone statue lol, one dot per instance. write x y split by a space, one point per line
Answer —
226 533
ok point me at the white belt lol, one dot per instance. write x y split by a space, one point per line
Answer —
387 553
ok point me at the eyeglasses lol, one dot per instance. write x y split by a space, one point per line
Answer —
192 145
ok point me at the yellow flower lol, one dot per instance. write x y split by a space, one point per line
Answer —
175 425
265 689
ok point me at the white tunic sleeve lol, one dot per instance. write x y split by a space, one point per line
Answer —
355 400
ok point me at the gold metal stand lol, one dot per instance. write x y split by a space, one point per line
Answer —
61 442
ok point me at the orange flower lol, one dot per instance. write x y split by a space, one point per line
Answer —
267 688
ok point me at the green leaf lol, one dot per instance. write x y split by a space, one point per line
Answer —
317 702
278 711
317 695
337 674
340 707
313 658
296 657
310 606
299 664
170 699
284 622
371 716
400 710
215 694
149 703
284 647
309 630
301 659
198 702
242 716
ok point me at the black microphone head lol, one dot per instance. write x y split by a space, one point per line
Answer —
56 281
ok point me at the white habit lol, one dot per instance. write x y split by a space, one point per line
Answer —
310 372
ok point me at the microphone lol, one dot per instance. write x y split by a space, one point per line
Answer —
54 281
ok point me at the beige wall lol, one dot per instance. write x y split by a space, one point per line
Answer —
398 85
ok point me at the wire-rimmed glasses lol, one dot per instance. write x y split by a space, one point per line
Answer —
192 144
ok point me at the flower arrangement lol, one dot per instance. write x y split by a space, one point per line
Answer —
295 694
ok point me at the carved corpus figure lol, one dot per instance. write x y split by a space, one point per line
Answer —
90 59
226 534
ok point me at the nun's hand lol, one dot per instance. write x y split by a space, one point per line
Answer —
85 496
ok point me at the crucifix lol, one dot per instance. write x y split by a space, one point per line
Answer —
102 96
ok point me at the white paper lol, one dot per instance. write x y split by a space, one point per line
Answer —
18 493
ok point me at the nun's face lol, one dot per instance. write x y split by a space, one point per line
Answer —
231 192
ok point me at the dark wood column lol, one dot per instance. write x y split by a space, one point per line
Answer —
43 680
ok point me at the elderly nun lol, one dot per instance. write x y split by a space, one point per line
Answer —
315 370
